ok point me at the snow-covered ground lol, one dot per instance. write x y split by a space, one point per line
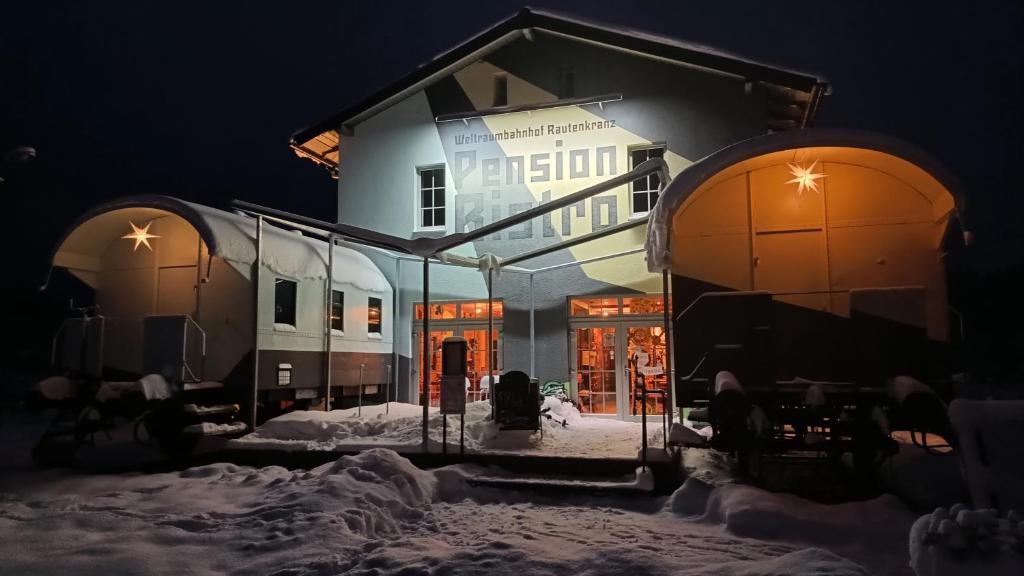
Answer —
399 427
375 513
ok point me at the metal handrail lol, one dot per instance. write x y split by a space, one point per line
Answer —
202 350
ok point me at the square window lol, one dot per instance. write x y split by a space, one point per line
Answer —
426 179
640 203
428 218
438 177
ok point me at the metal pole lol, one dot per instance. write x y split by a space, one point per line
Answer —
643 423
387 392
533 342
359 409
256 320
462 434
444 435
396 315
665 302
328 317
490 328
425 360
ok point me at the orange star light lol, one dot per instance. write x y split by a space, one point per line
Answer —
140 235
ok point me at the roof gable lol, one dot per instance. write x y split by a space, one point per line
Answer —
319 142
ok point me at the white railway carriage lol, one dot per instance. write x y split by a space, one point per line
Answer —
175 285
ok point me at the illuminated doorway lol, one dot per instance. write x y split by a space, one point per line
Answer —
467 319
616 344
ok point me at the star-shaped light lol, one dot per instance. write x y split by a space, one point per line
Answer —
140 235
804 177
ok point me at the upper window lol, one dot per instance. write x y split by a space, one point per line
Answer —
337 310
567 83
645 190
431 197
500 90
373 316
284 301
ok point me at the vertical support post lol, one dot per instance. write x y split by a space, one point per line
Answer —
643 423
328 317
396 324
533 341
669 376
425 357
387 393
490 336
359 409
257 264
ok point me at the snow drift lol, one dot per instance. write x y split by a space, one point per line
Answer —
373 513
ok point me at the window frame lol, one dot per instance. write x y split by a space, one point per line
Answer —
278 280
379 332
341 317
633 212
499 88
418 216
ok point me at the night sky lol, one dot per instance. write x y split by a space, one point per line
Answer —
198 100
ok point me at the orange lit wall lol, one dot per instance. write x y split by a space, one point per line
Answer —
877 222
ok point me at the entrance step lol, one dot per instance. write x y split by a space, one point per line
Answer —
643 484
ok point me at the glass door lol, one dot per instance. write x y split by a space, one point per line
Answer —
477 366
595 368
434 371
645 365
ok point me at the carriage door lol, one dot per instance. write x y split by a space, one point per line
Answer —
789 239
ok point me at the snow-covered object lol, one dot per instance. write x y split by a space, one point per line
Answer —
923 478
151 386
682 435
967 542
991 448
215 429
57 388
399 427
288 253
815 396
727 381
901 387
872 529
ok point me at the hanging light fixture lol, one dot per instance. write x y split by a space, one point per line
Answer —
140 235
804 178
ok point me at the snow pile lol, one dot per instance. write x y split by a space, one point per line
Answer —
57 388
923 478
373 513
400 427
991 435
873 532
967 542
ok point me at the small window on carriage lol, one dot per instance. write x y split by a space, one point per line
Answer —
337 310
374 316
284 301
